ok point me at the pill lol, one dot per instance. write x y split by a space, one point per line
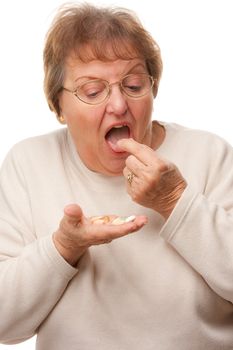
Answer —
130 218
122 219
100 219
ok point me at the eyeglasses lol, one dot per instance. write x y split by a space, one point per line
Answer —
97 91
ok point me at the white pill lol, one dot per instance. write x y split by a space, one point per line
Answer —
130 218
117 221
122 219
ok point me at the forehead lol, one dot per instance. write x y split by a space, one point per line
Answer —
75 68
105 50
107 56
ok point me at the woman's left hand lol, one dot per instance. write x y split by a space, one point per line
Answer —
151 181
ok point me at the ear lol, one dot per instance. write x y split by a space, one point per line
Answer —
155 88
61 119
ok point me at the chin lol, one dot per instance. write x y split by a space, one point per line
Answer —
114 168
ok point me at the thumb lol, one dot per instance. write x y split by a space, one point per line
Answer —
73 213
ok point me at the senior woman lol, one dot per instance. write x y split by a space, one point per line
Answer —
73 268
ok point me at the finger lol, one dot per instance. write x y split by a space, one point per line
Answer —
73 214
135 166
130 227
110 232
146 155
142 152
131 178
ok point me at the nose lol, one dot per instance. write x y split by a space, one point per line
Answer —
117 102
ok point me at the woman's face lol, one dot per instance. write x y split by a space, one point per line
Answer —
95 129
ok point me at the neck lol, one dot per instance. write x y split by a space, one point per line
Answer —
157 135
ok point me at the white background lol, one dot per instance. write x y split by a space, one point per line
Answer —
196 40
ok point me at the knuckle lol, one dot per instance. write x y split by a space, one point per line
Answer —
137 196
130 158
134 197
144 147
162 166
150 180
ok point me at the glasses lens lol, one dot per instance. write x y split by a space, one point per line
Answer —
92 92
137 85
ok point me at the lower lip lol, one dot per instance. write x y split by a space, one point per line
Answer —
114 148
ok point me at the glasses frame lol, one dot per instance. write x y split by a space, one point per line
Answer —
109 88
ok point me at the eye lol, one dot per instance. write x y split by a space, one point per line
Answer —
133 88
133 83
91 90
136 85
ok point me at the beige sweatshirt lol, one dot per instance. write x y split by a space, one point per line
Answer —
166 287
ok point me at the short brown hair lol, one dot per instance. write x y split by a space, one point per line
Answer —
77 27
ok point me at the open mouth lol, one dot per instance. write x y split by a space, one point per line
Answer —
115 134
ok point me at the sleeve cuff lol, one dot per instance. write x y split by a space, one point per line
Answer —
55 260
178 214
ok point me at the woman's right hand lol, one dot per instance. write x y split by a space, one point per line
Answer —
76 233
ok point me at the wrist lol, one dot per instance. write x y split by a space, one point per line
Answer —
173 200
69 253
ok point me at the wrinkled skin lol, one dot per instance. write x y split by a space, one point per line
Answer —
77 233
157 184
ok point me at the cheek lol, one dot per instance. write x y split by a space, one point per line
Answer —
142 111
72 110
68 106
83 122
96 113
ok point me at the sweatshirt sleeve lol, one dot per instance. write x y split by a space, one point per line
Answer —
201 225
33 276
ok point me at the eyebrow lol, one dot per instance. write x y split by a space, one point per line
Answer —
139 64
